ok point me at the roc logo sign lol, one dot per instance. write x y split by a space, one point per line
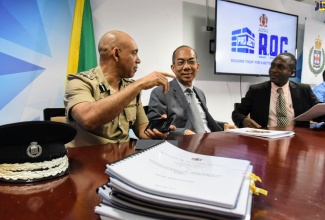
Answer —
244 40
316 57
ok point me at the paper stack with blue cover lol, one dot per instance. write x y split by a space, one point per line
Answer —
166 182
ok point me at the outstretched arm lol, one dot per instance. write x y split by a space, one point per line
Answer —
91 115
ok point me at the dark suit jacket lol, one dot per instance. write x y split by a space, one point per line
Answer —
257 102
174 104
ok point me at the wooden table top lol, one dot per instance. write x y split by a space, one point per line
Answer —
292 170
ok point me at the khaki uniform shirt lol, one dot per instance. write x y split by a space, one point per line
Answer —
91 86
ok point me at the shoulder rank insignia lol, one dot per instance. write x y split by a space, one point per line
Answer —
127 82
87 74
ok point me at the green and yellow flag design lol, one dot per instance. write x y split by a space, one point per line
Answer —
82 53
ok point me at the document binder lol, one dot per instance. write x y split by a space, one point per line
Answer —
166 181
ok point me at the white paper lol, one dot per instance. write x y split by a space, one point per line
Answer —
169 171
109 213
314 112
261 132
240 211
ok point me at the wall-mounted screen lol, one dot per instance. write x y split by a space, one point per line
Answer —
248 38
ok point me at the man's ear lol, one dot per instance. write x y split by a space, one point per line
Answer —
116 53
172 67
293 72
198 66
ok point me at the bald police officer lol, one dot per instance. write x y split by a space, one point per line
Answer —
103 103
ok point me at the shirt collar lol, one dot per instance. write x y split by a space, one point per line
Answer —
182 86
285 87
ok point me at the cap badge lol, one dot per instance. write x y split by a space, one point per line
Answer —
34 150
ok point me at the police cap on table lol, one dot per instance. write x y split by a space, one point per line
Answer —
34 150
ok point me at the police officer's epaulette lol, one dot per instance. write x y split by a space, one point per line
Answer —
129 80
88 74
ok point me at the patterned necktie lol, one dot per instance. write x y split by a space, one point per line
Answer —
281 111
197 120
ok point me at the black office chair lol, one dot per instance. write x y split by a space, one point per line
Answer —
54 114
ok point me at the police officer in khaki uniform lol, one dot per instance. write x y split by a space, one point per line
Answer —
103 103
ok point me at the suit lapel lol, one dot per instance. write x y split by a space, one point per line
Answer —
201 98
294 95
178 93
180 97
267 99
211 122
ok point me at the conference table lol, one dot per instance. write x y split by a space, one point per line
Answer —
292 170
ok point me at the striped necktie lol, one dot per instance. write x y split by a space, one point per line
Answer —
281 110
197 120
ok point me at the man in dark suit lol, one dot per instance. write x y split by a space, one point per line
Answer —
175 104
261 99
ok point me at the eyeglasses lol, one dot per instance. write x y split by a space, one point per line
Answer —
181 63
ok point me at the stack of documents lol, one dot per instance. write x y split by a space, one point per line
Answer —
165 181
261 132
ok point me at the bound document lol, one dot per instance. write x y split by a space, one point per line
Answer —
168 171
120 199
261 132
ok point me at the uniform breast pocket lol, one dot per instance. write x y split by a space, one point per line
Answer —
130 114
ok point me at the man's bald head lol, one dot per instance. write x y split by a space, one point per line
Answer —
112 39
